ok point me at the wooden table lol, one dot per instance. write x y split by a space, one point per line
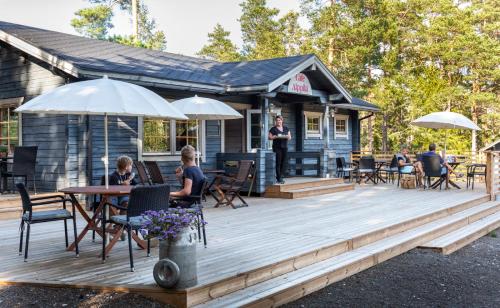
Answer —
449 182
92 222
215 172
378 165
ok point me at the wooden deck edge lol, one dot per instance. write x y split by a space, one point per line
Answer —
205 293
318 182
314 284
376 235
320 190
202 294
464 241
177 298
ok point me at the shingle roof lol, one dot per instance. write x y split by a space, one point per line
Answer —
362 103
103 56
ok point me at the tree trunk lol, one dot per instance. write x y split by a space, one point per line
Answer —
384 133
135 19
370 134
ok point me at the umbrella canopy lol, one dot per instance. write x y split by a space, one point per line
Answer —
102 97
203 108
446 119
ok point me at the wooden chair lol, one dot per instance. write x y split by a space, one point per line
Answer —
142 199
141 171
23 165
155 173
30 217
226 188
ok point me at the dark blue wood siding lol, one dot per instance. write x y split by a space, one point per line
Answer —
122 140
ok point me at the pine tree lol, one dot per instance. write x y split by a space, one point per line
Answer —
220 47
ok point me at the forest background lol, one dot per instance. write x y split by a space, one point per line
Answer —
410 57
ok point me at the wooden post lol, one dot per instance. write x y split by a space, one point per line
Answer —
264 125
326 130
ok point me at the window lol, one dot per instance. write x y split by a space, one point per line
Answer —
9 130
341 126
254 128
167 137
314 124
186 132
156 136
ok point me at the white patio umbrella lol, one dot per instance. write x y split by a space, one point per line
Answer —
102 97
203 108
445 120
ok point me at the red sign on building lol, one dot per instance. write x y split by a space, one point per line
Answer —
300 84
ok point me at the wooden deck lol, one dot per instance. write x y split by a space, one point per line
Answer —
245 246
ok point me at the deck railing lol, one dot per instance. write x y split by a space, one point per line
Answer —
493 174
304 164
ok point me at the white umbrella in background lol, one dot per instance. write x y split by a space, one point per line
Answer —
102 97
445 120
203 108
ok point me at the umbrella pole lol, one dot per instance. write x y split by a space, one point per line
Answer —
197 143
445 140
106 161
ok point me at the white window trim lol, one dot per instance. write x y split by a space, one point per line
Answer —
341 135
313 135
19 101
249 113
167 156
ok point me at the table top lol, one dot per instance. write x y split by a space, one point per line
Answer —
114 190
215 171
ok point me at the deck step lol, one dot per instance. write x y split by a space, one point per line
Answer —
310 191
293 184
305 280
460 238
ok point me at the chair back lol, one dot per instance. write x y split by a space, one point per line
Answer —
340 162
24 160
197 198
154 172
146 198
141 171
394 162
25 197
367 163
245 166
431 165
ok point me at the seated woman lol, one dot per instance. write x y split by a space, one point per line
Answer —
122 176
193 179
407 167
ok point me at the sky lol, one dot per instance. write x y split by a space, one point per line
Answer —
186 23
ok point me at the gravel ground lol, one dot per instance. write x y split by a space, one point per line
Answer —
469 277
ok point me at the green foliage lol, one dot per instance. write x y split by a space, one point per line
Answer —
93 22
220 47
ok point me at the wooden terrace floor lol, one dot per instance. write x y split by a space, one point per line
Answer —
268 231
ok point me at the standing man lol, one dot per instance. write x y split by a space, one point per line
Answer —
280 135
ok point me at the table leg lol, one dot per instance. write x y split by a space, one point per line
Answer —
91 222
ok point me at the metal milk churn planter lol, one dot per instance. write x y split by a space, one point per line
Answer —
177 265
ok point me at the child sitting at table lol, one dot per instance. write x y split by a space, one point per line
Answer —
193 179
123 175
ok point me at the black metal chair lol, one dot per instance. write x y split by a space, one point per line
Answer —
23 165
366 167
402 172
142 199
474 170
432 169
30 216
391 170
155 173
141 171
343 167
197 206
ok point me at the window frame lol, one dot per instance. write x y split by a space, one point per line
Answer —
249 131
14 103
343 117
313 134
171 155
